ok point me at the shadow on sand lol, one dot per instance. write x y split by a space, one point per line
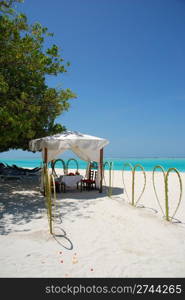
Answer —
77 204
21 203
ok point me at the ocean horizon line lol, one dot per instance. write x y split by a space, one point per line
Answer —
105 157
148 163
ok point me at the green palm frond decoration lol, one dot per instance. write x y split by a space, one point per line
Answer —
53 163
155 190
133 170
69 160
110 168
166 188
50 196
47 192
134 203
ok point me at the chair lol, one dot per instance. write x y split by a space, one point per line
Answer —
60 186
90 182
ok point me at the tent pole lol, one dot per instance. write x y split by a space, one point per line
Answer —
101 170
45 155
45 163
48 191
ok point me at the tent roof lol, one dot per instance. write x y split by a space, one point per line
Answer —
87 147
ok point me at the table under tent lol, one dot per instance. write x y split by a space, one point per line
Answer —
73 179
86 147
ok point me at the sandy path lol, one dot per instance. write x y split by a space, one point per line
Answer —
96 236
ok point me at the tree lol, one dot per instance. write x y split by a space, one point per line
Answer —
28 106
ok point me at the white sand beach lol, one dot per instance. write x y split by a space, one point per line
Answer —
95 236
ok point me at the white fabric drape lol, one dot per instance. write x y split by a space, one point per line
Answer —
85 146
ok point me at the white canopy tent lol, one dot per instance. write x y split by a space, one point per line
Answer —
87 147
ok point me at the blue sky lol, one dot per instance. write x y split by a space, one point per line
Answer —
127 68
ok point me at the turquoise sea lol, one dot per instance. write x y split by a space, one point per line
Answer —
147 163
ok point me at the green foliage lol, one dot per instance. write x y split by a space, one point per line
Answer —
166 187
28 107
133 169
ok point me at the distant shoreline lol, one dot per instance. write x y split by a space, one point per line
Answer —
147 163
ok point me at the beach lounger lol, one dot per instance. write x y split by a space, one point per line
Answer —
17 173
